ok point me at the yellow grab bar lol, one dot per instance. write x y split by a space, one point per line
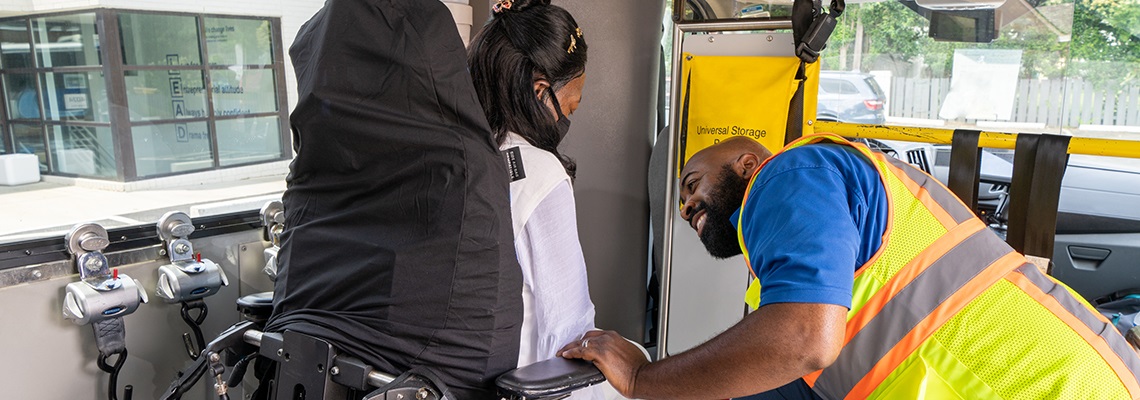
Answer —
999 140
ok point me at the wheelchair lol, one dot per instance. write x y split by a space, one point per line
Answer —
312 368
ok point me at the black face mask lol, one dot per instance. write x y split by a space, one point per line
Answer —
563 123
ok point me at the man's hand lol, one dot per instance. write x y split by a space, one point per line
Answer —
618 359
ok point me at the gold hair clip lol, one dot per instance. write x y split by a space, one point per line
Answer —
578 31
573 45
501 5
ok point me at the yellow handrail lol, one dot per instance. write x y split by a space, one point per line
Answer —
1000 140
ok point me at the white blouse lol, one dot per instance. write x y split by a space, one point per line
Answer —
556 297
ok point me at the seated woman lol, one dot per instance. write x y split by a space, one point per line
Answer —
398 242
528 65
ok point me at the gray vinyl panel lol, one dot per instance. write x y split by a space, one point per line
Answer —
48 357
1115 269
707 295
610 138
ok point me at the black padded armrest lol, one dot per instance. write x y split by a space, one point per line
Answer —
256 307
553 377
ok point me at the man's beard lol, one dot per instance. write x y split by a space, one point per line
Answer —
718 234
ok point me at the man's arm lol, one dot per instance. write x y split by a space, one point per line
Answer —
769 348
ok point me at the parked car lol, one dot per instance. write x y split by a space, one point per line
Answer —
850 97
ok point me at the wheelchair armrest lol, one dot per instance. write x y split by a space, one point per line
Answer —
550 378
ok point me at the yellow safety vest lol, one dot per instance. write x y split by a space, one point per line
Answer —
945 309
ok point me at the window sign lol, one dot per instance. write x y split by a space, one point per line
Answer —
154 39
158 95
240 91
66 41
78 96
172 148
82 150
239 41
247 140
15 44
23 99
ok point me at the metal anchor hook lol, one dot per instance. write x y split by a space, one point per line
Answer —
113 371
194 346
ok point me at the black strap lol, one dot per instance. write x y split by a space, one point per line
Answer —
810 28
795 126
965 166
684 120
1038 167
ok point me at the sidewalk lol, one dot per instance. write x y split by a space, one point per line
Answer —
50 209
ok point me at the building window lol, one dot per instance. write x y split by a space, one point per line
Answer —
16 44
160 39
82 150
148 105
163 95
30 139
66 41
75 96
159 152
23 99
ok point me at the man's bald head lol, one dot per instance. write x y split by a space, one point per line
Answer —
726 152
713 184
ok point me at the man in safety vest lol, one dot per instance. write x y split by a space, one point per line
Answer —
877 282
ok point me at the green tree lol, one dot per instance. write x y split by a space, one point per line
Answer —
1106 46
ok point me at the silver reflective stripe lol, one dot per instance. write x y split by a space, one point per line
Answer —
907 308
939 193
1073 306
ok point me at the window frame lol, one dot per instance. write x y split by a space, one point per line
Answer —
114 68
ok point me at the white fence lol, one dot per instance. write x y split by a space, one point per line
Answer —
1068 103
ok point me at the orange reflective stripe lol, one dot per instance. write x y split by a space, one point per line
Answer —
908 273
924 197
915 302
812 377
1093 338
932 322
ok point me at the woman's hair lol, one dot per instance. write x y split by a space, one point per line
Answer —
526 40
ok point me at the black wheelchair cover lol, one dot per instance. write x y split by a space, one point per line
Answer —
399 247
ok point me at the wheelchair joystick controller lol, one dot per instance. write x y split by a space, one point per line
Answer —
188 278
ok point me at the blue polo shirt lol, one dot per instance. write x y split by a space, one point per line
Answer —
814 215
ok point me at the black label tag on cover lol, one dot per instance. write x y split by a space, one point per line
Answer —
514 163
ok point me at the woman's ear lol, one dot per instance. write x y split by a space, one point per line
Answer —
541 85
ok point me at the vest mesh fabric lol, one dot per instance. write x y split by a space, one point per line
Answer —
904 241
1063 365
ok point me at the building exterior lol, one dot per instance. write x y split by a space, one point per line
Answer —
128 90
